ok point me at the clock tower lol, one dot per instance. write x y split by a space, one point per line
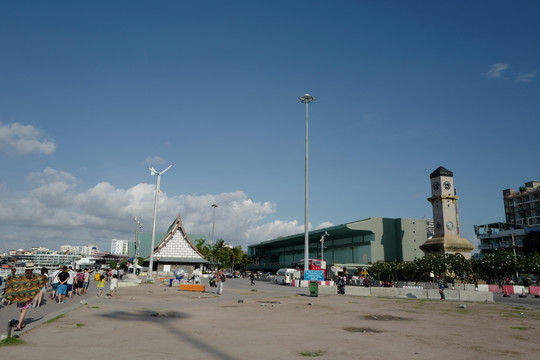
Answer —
446 239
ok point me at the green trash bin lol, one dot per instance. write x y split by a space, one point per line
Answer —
314 288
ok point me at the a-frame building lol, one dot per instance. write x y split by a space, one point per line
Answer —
176 249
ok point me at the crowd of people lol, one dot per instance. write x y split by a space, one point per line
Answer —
29 290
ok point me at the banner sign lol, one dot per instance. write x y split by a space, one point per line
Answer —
317 275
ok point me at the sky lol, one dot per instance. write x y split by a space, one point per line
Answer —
94 93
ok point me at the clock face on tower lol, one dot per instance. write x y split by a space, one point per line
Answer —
447 185
435 186
449 225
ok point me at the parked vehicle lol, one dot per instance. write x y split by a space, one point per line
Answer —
286 276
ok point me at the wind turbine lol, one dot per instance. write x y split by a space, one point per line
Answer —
154 172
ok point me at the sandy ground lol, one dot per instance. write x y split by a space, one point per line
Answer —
153 321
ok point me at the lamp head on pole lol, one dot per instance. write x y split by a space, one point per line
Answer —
306 99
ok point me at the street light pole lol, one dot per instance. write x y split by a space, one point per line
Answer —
154 172
136 246
306 99
214 206
322 245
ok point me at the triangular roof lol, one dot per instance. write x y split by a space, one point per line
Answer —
176 246
440 171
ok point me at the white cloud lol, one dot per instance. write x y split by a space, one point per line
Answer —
525 77
154 160
324 225
54 213
495 70
24 139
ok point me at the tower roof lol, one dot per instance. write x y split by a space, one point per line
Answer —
440 171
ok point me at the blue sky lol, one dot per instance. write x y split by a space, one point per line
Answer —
92 93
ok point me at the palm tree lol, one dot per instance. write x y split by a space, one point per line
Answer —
236 254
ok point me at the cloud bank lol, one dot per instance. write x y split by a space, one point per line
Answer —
53 213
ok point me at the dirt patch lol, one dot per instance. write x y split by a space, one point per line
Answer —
362 330
385 318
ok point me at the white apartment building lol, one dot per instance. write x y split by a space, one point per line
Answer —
119 247
79 250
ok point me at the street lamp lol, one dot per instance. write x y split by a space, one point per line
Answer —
214 206
213 220
306 99
322 245
154 172
136 245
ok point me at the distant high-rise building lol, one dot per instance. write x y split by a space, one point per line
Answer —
523 206
119 247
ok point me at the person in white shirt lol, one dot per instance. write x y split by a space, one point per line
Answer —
196 275
54 281
70 281
114 284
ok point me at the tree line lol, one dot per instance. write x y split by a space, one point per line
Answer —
219 254
492 268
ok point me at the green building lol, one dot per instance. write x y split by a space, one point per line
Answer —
352 245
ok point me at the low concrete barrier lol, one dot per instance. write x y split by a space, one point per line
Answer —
412 293
518 289
327 290
383 291
431 294
482 287
357 291
130 280
477 296
534 290
508 289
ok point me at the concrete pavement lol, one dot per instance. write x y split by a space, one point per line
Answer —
278 322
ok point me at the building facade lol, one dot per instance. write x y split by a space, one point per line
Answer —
119 247
172 249
354 244
500 236
523 206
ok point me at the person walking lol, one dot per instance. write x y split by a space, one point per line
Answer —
39 297
86 281
101 285
114 285
54 282
220 279
13 272
22 289
196 276
63 278
79 284
441 287
252 278
71 281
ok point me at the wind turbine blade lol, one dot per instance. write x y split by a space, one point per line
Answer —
166 169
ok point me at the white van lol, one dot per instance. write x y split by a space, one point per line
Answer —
285 276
